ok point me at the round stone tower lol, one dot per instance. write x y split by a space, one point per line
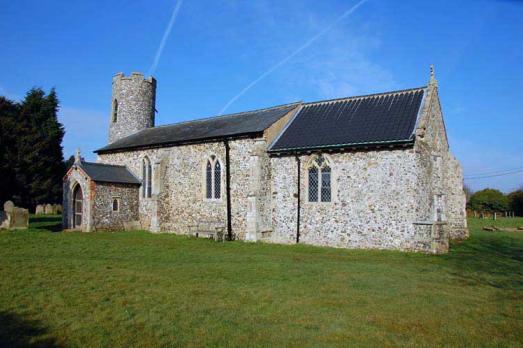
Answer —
133 105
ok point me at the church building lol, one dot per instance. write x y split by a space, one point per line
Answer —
370 171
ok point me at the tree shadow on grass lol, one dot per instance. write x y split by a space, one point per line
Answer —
48 223
40 219
16 331
51 228
495 259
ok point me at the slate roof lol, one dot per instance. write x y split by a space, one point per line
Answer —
232 125
372 120
109 173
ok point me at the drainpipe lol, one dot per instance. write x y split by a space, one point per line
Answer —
228 188
299 201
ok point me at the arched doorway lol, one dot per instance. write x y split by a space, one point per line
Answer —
77 206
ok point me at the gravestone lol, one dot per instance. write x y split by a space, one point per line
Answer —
48 210
58 209
19 218
39 209
13 217
9 206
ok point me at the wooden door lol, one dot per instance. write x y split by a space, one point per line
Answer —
77 206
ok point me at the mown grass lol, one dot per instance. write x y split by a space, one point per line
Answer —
138 289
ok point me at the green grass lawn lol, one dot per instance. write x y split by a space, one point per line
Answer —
140 289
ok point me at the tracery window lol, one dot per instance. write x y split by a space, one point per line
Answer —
147 174
320 183
213 178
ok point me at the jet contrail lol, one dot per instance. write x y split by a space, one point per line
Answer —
152 69
289 57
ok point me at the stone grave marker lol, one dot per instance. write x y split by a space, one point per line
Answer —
19 218
9 206
57 208
48 209
39 209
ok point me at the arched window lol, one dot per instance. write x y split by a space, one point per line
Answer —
115 110
116 204
147 175
213 178
320 186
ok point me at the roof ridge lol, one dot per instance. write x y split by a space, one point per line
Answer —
103 164
365 95
228 115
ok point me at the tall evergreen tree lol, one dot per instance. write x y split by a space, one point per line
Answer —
9 111
41 157
36 164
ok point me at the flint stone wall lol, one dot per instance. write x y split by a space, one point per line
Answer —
178 202
104 218
444 187
374 202
456 201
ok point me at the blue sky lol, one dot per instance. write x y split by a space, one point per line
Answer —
216 48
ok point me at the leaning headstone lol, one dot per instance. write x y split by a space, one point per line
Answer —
19 218
40 209
48 210
9 206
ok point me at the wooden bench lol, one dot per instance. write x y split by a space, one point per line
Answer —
205 229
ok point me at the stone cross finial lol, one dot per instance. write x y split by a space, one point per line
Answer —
433 80
77 157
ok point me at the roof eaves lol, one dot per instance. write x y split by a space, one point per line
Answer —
255 111
117 182
103 164
180 143
347 145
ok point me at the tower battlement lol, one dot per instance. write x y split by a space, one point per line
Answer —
136 76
